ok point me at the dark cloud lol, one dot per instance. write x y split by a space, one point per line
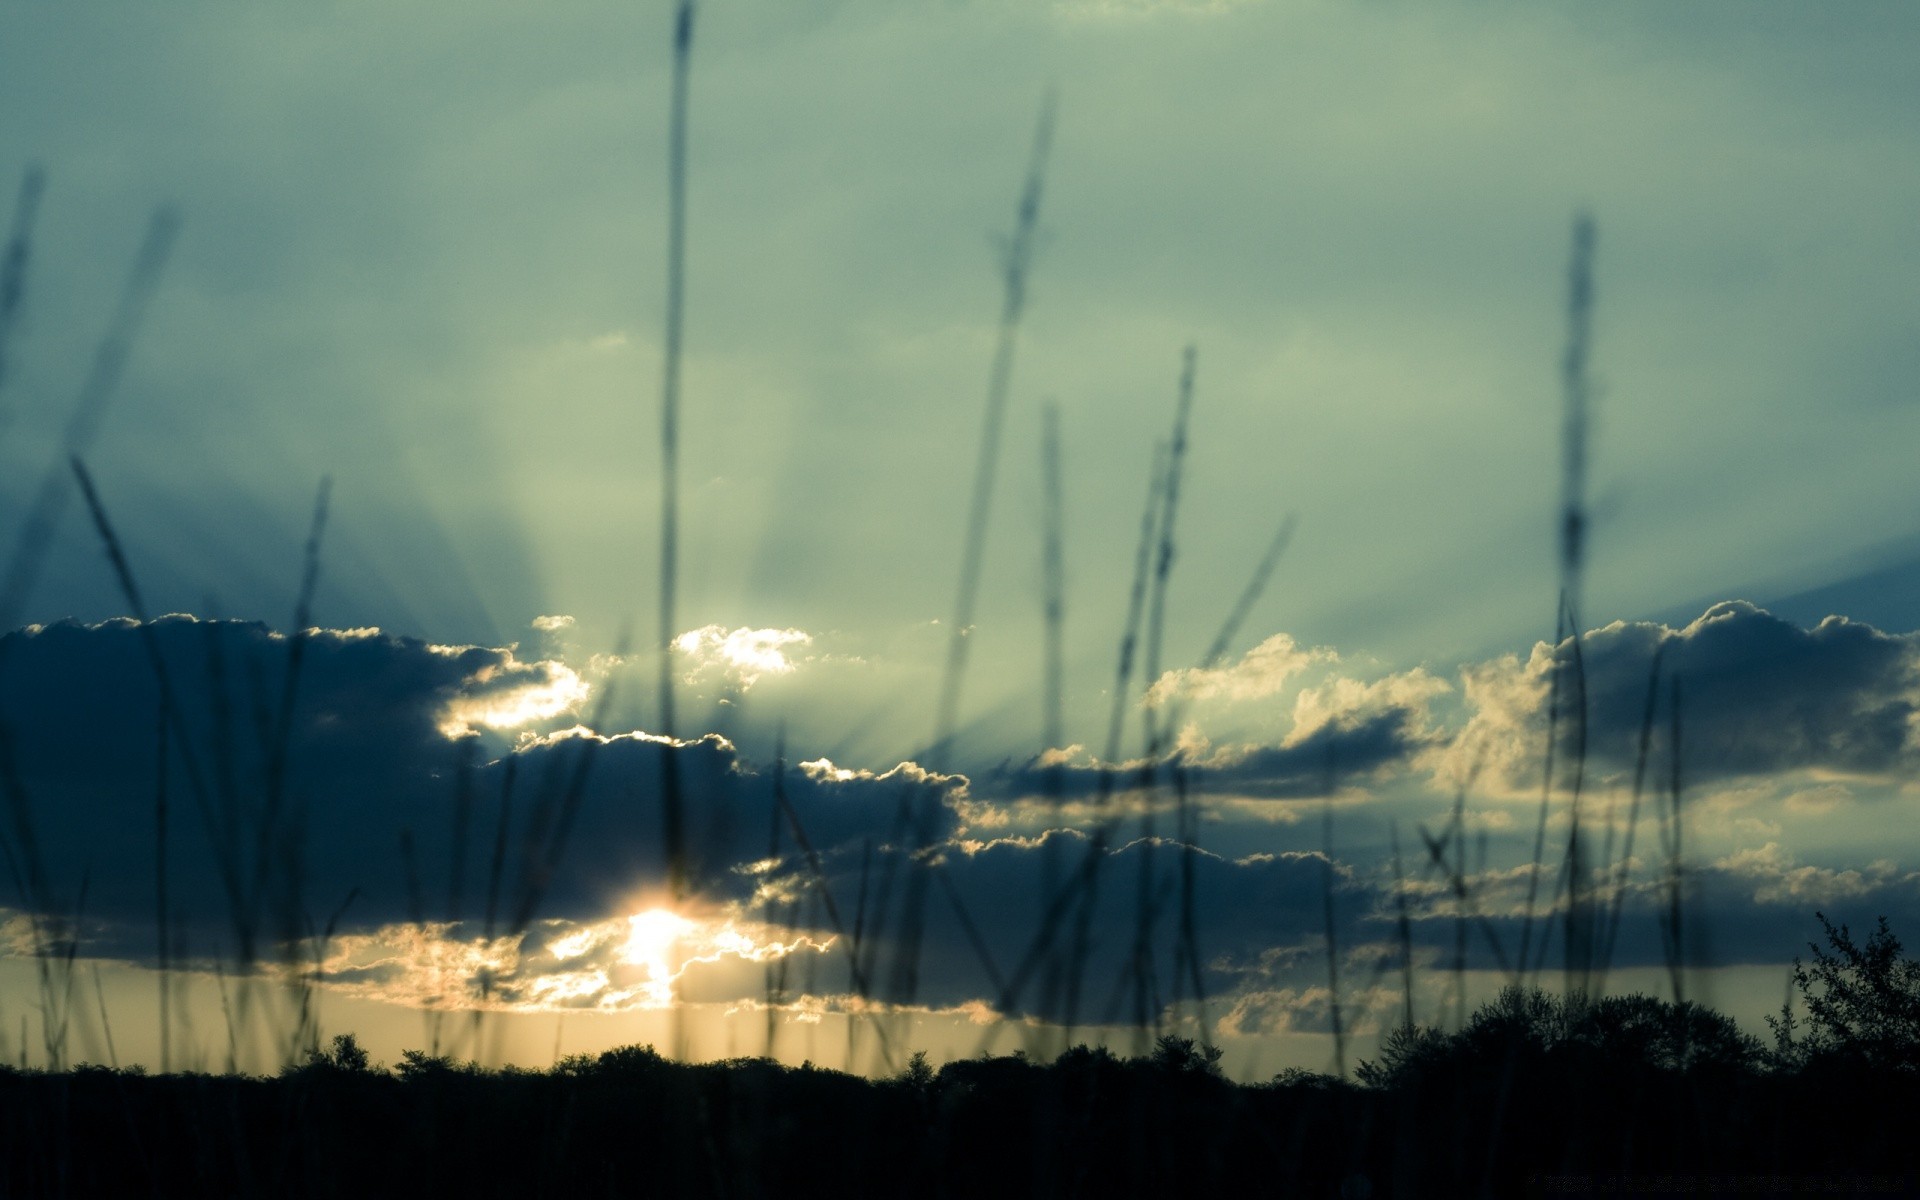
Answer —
1350 747
1336 753
383 747
1241 907
1752 906
1759 694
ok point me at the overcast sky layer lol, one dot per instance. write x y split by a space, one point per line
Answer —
422 253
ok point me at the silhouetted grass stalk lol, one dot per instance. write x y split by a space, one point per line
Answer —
903 985
1333 941
13 266
90 407
1019 258
1095 858
1672 925
1146 997
1053 680
160 930
1641 758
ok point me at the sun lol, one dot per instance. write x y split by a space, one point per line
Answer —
651 936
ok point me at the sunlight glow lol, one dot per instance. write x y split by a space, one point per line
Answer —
650 944
577 985
745 654
573 945
554 688
620 964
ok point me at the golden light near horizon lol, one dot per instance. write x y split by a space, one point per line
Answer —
639 961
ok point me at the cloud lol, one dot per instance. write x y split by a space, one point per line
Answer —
1261 672
1759 695
1308 1009
1751 905
388 800
1355 745
644 960
1243 906
740 656
389 791
1348 702
1777 879
715 953
1341 730
513 695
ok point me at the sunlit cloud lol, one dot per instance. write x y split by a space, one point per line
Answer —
1309 1009
510 695
20 937
1778 879
636 962
742 655
421 966
1262 671
1764 698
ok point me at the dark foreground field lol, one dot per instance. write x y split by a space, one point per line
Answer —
1627 1095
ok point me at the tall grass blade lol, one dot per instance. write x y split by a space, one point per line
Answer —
1403 929
226 857
1333 942
1633 812
1576 393
825 891
1573 537
1578 947
904 980
106 1019
1089 876
1019 257
673 818
13 265
160 927
1673 927
1053 680
83 423
1146 999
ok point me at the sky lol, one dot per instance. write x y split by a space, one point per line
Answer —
421 254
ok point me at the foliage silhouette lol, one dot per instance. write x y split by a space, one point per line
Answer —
1627 1033
1628 1086
1181 1055
1862 1000
344 1055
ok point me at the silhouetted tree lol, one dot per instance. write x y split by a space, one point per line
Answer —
1663 1035
918 1073
1862 1001
1612 1034
1183 1055
343 1055
1406 1052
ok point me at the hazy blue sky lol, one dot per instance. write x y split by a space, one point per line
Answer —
422 253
